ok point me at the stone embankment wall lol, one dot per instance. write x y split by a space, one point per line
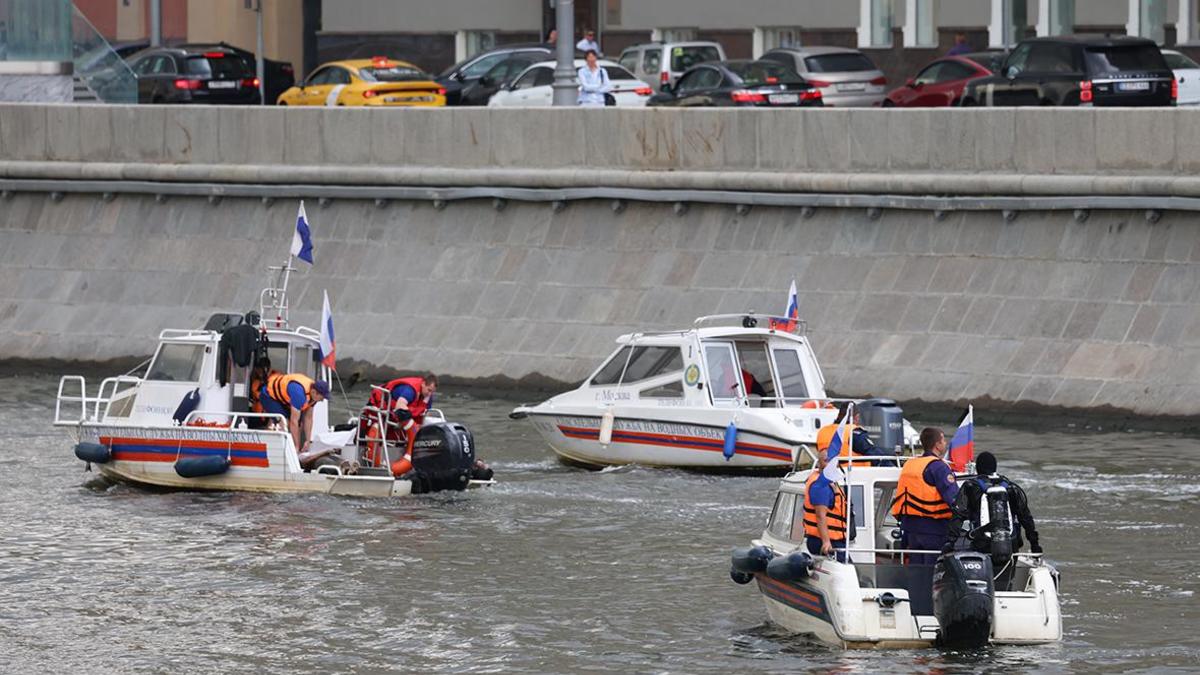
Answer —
1047 306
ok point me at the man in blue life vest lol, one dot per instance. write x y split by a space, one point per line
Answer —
294 396
925 494
825 514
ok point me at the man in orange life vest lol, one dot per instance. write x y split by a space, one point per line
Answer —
924 499
825 517
294 396
411 398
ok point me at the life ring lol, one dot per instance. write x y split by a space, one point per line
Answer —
373 446
200 422
814 404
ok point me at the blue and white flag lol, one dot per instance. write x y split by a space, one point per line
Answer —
328 346
302 246
833 471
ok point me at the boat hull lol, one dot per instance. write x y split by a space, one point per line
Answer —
832 608
659 443
260 461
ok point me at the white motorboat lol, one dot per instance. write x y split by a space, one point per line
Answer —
734 391
875 599
135 427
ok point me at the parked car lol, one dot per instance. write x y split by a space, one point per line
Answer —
941 83
459 76
378 81
846 77
1071 70
501 75
1187 77
194 74
279 76
659 64
740 83
533 86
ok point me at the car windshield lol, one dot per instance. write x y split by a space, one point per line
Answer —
683 58
846 62
763 72
1101 60
225 67
392 74
1179 62
618 73
992 62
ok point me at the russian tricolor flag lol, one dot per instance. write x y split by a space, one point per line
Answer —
328 346
792 312
962 446
302 246
832 471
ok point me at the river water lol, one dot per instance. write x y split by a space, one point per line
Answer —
556 569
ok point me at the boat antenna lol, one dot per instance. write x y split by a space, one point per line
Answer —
273 301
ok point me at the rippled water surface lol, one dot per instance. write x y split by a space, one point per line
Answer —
554 570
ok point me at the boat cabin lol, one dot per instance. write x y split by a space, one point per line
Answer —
190 360
725 361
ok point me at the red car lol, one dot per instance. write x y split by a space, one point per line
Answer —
941 83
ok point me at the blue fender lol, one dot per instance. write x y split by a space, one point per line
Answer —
730 441
198 467
93 452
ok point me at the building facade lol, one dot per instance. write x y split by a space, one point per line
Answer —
900 35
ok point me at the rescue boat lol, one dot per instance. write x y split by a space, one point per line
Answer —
182 419
732 392
873 597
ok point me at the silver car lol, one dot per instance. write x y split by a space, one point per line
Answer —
846 77
660 64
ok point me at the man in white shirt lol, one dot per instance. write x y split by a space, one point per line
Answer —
588 43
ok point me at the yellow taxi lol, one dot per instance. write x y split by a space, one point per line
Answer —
377 81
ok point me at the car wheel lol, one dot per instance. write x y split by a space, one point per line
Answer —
887 103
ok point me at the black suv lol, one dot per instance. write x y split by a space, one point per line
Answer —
463 74
195 74
1078 70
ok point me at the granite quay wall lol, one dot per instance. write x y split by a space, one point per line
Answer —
1022 256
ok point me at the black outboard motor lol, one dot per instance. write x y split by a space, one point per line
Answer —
963 599
443 458
884 421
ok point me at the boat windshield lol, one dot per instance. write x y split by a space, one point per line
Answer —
791 376
177 363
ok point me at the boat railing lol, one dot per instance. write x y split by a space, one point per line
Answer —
112 385
81 398
751 320
236 422
168 333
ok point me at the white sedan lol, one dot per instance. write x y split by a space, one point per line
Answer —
1187 74
533 86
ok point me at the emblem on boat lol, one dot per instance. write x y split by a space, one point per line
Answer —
691 375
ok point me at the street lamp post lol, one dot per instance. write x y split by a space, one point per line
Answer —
566 90
155 23
260 68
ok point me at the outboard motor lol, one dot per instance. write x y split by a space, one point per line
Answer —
963 599
884 421
443 458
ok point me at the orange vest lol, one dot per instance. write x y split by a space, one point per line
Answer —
277 388
256 384
835 517
417 408
914 496
825 437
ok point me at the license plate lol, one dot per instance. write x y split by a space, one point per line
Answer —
1133 86
408 99
216 84
780 99
852 86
